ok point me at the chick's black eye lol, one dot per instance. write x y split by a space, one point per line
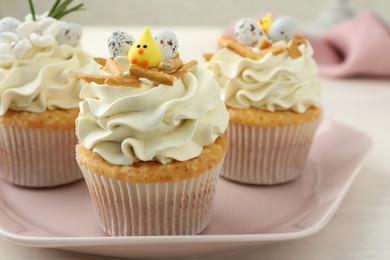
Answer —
145 46
138 46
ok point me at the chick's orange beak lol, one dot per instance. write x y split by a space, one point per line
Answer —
140 51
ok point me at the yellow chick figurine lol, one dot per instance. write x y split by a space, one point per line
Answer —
266 22
145 51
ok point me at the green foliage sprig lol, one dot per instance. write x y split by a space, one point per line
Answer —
32 10
59 9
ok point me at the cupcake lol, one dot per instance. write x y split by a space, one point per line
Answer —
40 60
151 138
269 84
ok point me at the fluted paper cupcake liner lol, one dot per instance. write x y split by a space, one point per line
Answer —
267 155
33 157
144 209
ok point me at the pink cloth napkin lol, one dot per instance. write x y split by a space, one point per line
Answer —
359 46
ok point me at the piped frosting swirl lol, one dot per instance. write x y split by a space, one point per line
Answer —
39 72
273 82
151 122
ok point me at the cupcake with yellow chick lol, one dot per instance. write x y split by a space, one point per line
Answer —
269 84
151 138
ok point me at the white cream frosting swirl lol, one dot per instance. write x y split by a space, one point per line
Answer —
151 123
36 72
271 83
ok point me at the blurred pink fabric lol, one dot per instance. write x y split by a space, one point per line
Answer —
358 46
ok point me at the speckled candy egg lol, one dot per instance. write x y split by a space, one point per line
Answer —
248 32
167 41
119 43
70 33
283 28
9 24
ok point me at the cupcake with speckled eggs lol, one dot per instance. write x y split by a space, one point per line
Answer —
269 84
151 138
40 60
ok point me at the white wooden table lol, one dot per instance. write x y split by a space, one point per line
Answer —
360 229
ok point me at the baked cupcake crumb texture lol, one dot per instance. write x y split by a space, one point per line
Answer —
50 119
259 117
149 172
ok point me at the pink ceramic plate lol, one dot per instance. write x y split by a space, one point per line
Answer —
244 216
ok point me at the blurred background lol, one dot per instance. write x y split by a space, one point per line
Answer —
316 14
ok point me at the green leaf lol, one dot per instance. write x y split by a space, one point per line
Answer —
76 8
60 9
54 7
32 9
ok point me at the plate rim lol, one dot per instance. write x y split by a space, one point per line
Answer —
79 242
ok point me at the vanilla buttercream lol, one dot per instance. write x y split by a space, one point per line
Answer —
274 82
151 123
37 73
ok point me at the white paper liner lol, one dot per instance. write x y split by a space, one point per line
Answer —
34 157
267 155
146 209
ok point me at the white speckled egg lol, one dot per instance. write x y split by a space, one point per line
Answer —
9 24
167 41
283 28
70 33
248 32
119 43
